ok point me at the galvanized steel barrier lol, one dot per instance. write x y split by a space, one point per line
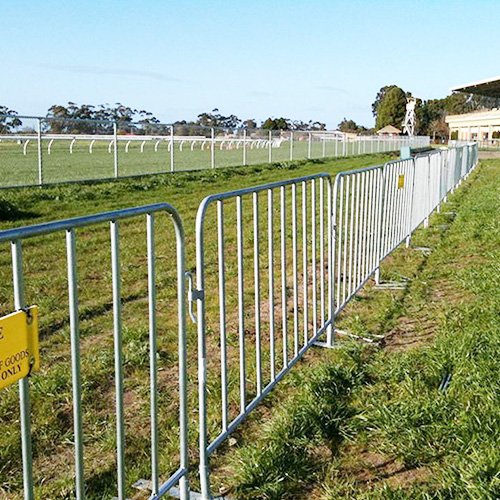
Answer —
289 327
370 213
70 227
275 264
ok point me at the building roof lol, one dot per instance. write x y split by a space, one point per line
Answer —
489 87
389 129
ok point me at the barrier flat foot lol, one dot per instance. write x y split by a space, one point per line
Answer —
392 285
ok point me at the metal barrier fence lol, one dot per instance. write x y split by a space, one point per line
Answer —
53 150
264 295
277 333
373 210
75 315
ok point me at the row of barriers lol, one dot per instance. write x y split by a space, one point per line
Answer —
45 150
275 265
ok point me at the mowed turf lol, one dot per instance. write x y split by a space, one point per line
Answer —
46 285
17 168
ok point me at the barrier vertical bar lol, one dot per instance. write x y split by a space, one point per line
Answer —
284 308
291 146
295 273
241 304
115 152
305 262
380 224
270 236
150 242
309 140
40 154
202 361
257 305
222 310
117 336
183 410
75 361
24 395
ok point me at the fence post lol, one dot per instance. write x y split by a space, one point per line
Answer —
309 139
115 144
270 147
39 145
324 145
172 168
212 148
291 146
244 146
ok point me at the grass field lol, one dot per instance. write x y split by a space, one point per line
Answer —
19 169
416 417
46 285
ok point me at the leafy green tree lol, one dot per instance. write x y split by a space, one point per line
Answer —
249 124
392 108
8 123
380 97
215 119
277 124
350 126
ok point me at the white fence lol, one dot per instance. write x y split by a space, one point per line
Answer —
275 264
52 150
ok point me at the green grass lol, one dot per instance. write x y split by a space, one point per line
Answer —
46 285
373 423
59 166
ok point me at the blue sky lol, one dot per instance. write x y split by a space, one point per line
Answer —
315 59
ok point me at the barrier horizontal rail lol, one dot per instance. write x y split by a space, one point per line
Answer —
275 265
16 237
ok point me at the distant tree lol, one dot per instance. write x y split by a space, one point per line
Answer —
392 108
316 125
215 119
350 126
249 124
438 129
276 124
8 123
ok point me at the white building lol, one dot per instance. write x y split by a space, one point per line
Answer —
480 125
477 126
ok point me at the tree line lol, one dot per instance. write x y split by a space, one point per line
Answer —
388 108
87 118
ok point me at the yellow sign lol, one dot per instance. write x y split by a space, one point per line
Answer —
401 181
19 352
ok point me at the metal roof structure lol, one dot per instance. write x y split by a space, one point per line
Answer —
489 87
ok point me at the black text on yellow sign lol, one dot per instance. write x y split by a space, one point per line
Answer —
19 352
401 181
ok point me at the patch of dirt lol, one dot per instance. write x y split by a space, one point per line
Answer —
369 468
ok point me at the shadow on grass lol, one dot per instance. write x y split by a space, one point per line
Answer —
9 212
